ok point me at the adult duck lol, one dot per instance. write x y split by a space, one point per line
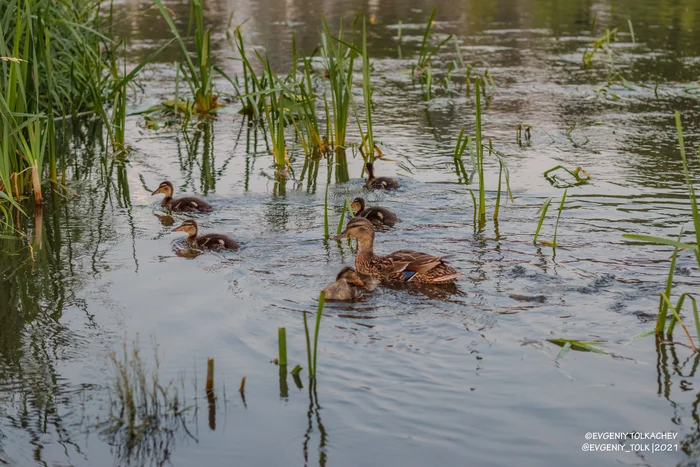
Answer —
399 266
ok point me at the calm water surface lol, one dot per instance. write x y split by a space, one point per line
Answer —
408 377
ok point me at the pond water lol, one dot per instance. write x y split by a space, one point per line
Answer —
406 376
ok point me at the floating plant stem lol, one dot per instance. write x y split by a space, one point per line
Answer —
282 344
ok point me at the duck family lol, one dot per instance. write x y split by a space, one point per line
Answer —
402 266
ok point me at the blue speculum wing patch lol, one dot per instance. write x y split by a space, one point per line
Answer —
407 275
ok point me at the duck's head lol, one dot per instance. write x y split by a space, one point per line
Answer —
189 227
166 188
350 276
358 227
358 204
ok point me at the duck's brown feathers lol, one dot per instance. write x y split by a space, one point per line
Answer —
341 290
186 204
212 242
406 266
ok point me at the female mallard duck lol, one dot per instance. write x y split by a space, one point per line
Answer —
347 285
375 215
380 183
399 266
205 242
186 204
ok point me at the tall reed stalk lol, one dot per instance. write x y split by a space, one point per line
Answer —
339 59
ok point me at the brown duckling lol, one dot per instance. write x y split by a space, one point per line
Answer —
186 204
399 266
375 215
205 242
379 183
347 285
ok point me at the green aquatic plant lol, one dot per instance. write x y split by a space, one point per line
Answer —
542 212
580 177
665 302
144 412
367 94
199 78
423 68
601 43
338 58
282 344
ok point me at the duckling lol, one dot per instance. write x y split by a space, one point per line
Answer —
208 241
186 204
399 266
380 183
375 215
347 285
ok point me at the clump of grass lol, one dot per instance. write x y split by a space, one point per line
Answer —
144 414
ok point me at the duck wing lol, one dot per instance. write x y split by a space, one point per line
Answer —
414 263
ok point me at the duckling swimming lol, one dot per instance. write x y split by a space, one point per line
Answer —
375 215
379 183
347 285
207 241
185 204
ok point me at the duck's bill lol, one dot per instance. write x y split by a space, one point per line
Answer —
179 229
340 237
360 283
156 192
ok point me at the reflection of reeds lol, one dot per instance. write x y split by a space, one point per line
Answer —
144 414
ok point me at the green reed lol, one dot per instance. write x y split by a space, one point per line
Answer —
339 59
480 155
423 67
341 222
319 315
542 212
367 93
199 77
282 344
665 302
51 55
556 225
